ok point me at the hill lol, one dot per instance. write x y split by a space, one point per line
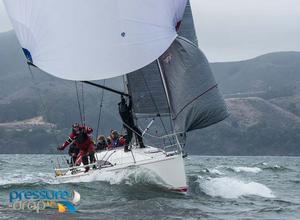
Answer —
255 127
262 95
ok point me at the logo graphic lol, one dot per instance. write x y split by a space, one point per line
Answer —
37 200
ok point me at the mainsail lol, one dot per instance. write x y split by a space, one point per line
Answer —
94 39
147 92
145 85
183 87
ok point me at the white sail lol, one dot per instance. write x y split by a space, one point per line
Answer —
94 39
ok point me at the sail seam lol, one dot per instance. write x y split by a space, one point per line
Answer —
197 97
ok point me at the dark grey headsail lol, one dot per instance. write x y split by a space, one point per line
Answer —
184 86
194 98
187 27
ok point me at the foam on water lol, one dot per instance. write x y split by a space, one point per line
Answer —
232 188
28 178
213 171
124 176
246 169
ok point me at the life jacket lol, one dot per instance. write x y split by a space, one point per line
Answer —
82 137
115 143
101 146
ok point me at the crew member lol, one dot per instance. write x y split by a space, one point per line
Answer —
116 140
125 111
81 136
73 152
102 143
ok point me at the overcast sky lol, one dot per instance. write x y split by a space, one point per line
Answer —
231 30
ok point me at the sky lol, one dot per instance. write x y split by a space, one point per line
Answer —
231 30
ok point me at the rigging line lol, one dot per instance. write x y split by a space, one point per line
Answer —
167 94
83 110
197 97
100 111
124 83
78 102
44 106
151 96
119 120
162 137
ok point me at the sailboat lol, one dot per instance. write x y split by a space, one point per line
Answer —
154 44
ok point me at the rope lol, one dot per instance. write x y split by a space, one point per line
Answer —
78 102
146 84
100 111
83 109
44 106
162 137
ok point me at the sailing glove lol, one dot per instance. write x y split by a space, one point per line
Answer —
61 148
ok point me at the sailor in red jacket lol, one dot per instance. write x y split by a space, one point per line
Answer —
81 136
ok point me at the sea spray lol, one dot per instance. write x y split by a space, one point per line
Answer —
124 176
246 169
232 188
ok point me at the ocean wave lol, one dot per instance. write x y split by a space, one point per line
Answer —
124 176
18 179
245 169
212 171
295 181
232 188
275 168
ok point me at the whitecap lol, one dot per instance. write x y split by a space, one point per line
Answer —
216 171
29 178
212 171
232 188
246 169
123 176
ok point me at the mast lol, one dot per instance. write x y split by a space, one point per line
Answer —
169 103
164 84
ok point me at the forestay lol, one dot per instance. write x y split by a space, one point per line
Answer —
94 39
194 98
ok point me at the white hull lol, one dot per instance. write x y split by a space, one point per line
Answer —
169 168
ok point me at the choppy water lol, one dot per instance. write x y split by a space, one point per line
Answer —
219 188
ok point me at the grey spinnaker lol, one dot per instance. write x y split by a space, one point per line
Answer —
194 98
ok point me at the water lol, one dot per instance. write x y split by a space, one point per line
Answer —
219 188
